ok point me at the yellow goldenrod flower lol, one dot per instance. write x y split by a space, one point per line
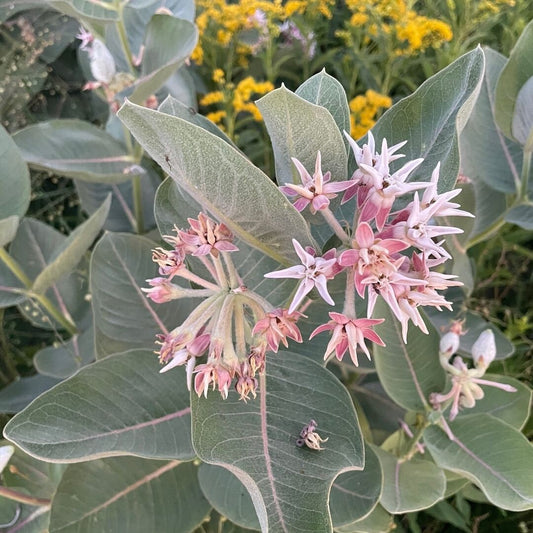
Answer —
364 109
243 93
214 97
216 116
218 76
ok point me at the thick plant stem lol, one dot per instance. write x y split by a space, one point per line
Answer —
137 204
333 223
124 38
45 302
22 498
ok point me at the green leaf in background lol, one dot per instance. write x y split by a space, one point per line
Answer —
409 485
446 513
121 215
128 494
324 90
523 116
518 69
378 521
67 257
62 361
223 181
124 318
14 179
289 485
510 407
521 215
408 372
121 405
293 125
355 494
174 107
228 495
18 394
433 116
102 11
169 41
492 454
486 154
76 149
8 229
490 205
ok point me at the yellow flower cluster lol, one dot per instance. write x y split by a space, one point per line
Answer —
239 97
364 109
487 8
395 18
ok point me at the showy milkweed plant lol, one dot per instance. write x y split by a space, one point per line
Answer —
311 328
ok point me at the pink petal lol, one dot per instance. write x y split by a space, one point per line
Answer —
364 235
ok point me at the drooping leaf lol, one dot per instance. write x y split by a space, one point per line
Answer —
409 485
75 149
220 179
377 521
8 229
121 405
324 90
18 394
433 116
67 257
355 494
517 70
291 121
62 361
159 62
14 179
409 372
124 318
130 494
289 485
492 454
486 154
521 215
228 495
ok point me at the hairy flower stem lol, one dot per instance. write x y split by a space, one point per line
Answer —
239 321
349 296
138 205
43 300
333 223
16 496
234 278
187 274
221 275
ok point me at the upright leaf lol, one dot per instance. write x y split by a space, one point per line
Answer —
518 69
222 180
492 454
8 229
433 116
124 318
292 123
14 178
121 405
409 372
289 485
76 149
128 494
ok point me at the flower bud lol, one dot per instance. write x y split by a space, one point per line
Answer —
449 344
102 63
484 349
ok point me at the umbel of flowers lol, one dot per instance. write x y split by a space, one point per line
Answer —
386 252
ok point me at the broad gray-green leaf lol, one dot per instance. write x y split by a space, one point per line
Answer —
409 485
523 115
486 154
121 216
433 116
64 360
410 371
521 215
18 394
8 229
378 521
292 124
511 407
492 454
101 11
68 256
228 495
222 180
124 318
169 41
75 149
289 485
490 206
14 178
324 90
355 494
35 247
174 107
128 494
121 405
517 71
